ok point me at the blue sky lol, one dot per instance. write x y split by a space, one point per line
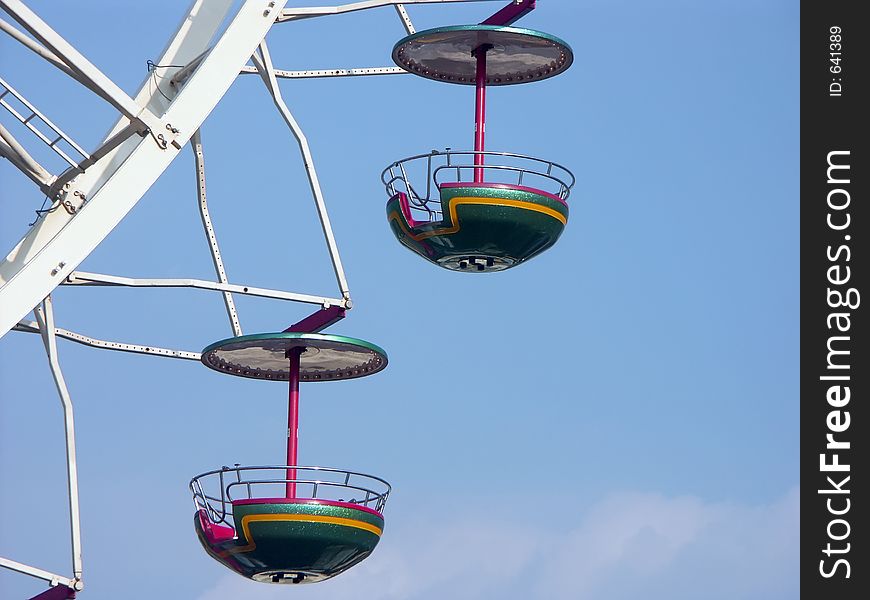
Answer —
618 417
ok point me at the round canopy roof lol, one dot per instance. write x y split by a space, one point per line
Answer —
324 357
516 55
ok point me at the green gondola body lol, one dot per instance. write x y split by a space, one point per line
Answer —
291 541
485 227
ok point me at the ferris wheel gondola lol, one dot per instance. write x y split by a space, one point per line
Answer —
481 211
290 523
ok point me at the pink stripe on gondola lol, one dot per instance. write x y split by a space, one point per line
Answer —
502 186
246 501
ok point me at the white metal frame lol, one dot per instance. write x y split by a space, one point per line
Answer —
199 162
33 327
85 278
45 319
99 190
289 14
263 62
283 74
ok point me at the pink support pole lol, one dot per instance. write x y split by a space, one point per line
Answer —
293 421
479 111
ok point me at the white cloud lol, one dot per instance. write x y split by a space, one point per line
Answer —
628 545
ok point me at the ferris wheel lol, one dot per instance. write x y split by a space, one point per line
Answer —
472 211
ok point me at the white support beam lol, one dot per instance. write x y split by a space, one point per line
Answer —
33 327
108 146
7 152
35 47
99 279
184 72
289 14
406 19
192 40
48 576
263 62
358 72
85 71
45 318
48 55
210 235
10 148
58 242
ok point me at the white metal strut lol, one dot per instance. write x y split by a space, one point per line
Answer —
45 319
211 236
263 62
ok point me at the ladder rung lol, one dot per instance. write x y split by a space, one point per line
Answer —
34 113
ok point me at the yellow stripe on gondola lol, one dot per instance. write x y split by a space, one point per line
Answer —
454 202
271 518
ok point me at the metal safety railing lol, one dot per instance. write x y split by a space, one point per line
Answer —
215 491
431 170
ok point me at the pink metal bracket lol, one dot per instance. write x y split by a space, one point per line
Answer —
318 321
510 13
60 592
